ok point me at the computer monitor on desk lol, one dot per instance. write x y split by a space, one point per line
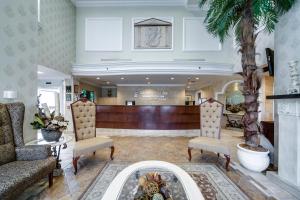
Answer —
130 103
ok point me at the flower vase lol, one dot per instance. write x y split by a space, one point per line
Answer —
51 135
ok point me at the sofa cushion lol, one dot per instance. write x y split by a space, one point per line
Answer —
18 175
7 153
210 144
90 145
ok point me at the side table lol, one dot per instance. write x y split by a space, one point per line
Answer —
55 148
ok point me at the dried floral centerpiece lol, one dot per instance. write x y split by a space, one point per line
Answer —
51 126
152 187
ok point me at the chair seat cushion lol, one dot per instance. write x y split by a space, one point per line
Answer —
18 175
90 145
210 144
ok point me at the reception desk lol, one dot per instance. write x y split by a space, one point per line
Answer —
148 117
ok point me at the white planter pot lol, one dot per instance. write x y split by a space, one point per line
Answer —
253 160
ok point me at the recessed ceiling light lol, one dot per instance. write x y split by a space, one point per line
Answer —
147 78
122 78
107 82
172 78
197 78
98 78
39 72
188 87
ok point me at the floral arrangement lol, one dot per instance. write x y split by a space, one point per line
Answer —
152 187
50 123
235 108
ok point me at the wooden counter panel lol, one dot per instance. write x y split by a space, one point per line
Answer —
148 117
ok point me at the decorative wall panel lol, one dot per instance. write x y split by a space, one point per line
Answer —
153 33
103 34
196 37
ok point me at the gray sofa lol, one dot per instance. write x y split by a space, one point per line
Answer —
20 166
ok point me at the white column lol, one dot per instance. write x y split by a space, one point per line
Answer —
57 104
289 141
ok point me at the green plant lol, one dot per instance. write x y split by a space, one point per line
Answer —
247 18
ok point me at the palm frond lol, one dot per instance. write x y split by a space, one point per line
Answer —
224 15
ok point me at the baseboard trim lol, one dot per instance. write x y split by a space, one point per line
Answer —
266 184
294 190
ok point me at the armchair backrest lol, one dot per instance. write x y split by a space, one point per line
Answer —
211 113
84 119
16 112
7 149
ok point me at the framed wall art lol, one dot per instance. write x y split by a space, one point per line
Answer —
152 33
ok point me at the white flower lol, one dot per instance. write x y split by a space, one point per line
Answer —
54 121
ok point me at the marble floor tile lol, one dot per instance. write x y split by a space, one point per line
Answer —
133 149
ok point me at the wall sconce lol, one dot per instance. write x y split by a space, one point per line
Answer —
10 95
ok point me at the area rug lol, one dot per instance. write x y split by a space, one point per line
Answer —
213 183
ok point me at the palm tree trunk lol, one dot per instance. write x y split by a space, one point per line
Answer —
252 79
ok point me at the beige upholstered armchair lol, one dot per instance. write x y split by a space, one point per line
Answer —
210 138
84 121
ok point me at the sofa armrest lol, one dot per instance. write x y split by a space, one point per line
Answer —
33 152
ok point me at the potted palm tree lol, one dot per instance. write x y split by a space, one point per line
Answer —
247 18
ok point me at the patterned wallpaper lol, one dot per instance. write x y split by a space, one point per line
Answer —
287 47
57 35
18 52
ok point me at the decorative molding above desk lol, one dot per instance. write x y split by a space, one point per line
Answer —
284 96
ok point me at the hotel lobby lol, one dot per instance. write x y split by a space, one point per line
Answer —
149 99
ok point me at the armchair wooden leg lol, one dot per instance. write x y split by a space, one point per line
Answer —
227 161
112 150
75 164
201 151
94 152
50 177
190 153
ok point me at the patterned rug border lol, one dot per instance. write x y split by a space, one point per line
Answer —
107 163
180 164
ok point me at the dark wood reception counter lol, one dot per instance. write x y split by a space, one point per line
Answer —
148 117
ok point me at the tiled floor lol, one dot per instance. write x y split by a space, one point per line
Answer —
132 149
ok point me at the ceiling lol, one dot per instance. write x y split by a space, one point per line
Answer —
101 3
191 82
45 73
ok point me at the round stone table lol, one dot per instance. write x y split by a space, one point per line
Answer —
190 187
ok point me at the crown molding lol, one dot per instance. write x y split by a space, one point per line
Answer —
152 85
127 3
154 67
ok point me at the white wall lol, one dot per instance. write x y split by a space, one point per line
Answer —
146 95
287 48
127 13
